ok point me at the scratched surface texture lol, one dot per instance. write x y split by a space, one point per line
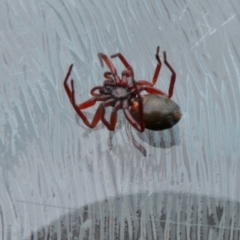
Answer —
61 180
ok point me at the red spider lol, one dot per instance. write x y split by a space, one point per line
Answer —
120 94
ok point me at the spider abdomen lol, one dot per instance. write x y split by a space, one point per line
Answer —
159 112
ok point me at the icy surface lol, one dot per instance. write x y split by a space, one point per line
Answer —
61 180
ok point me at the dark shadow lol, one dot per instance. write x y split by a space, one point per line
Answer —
161 139
158 139
155 215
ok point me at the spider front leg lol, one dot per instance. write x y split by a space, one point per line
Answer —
123 60
87 104
113 71
126 73
103 57
71 94
100 113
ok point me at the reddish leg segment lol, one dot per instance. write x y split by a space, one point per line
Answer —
138 126
140 105
158 67
99 115
148 88
147 85
89 103
125 75
67 89
124 61
173 77
113 118
103 57
131 120
128 66
100 110
108 75
153 90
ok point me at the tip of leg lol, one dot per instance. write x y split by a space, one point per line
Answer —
114 55
72 84
68 74
141 128
70 68
100 55
164 55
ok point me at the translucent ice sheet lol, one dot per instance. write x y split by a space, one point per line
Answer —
62 180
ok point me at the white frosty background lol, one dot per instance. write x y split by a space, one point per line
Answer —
51 164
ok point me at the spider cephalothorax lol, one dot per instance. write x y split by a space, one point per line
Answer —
120 93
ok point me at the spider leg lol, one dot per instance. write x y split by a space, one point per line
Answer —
103 57
173 77
113 118
99 113
144 83
138 126
153 90
91 102
107 75
132 121
67 89
140 105
124 61
145 86
158 67
125 75
99 88
156 73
